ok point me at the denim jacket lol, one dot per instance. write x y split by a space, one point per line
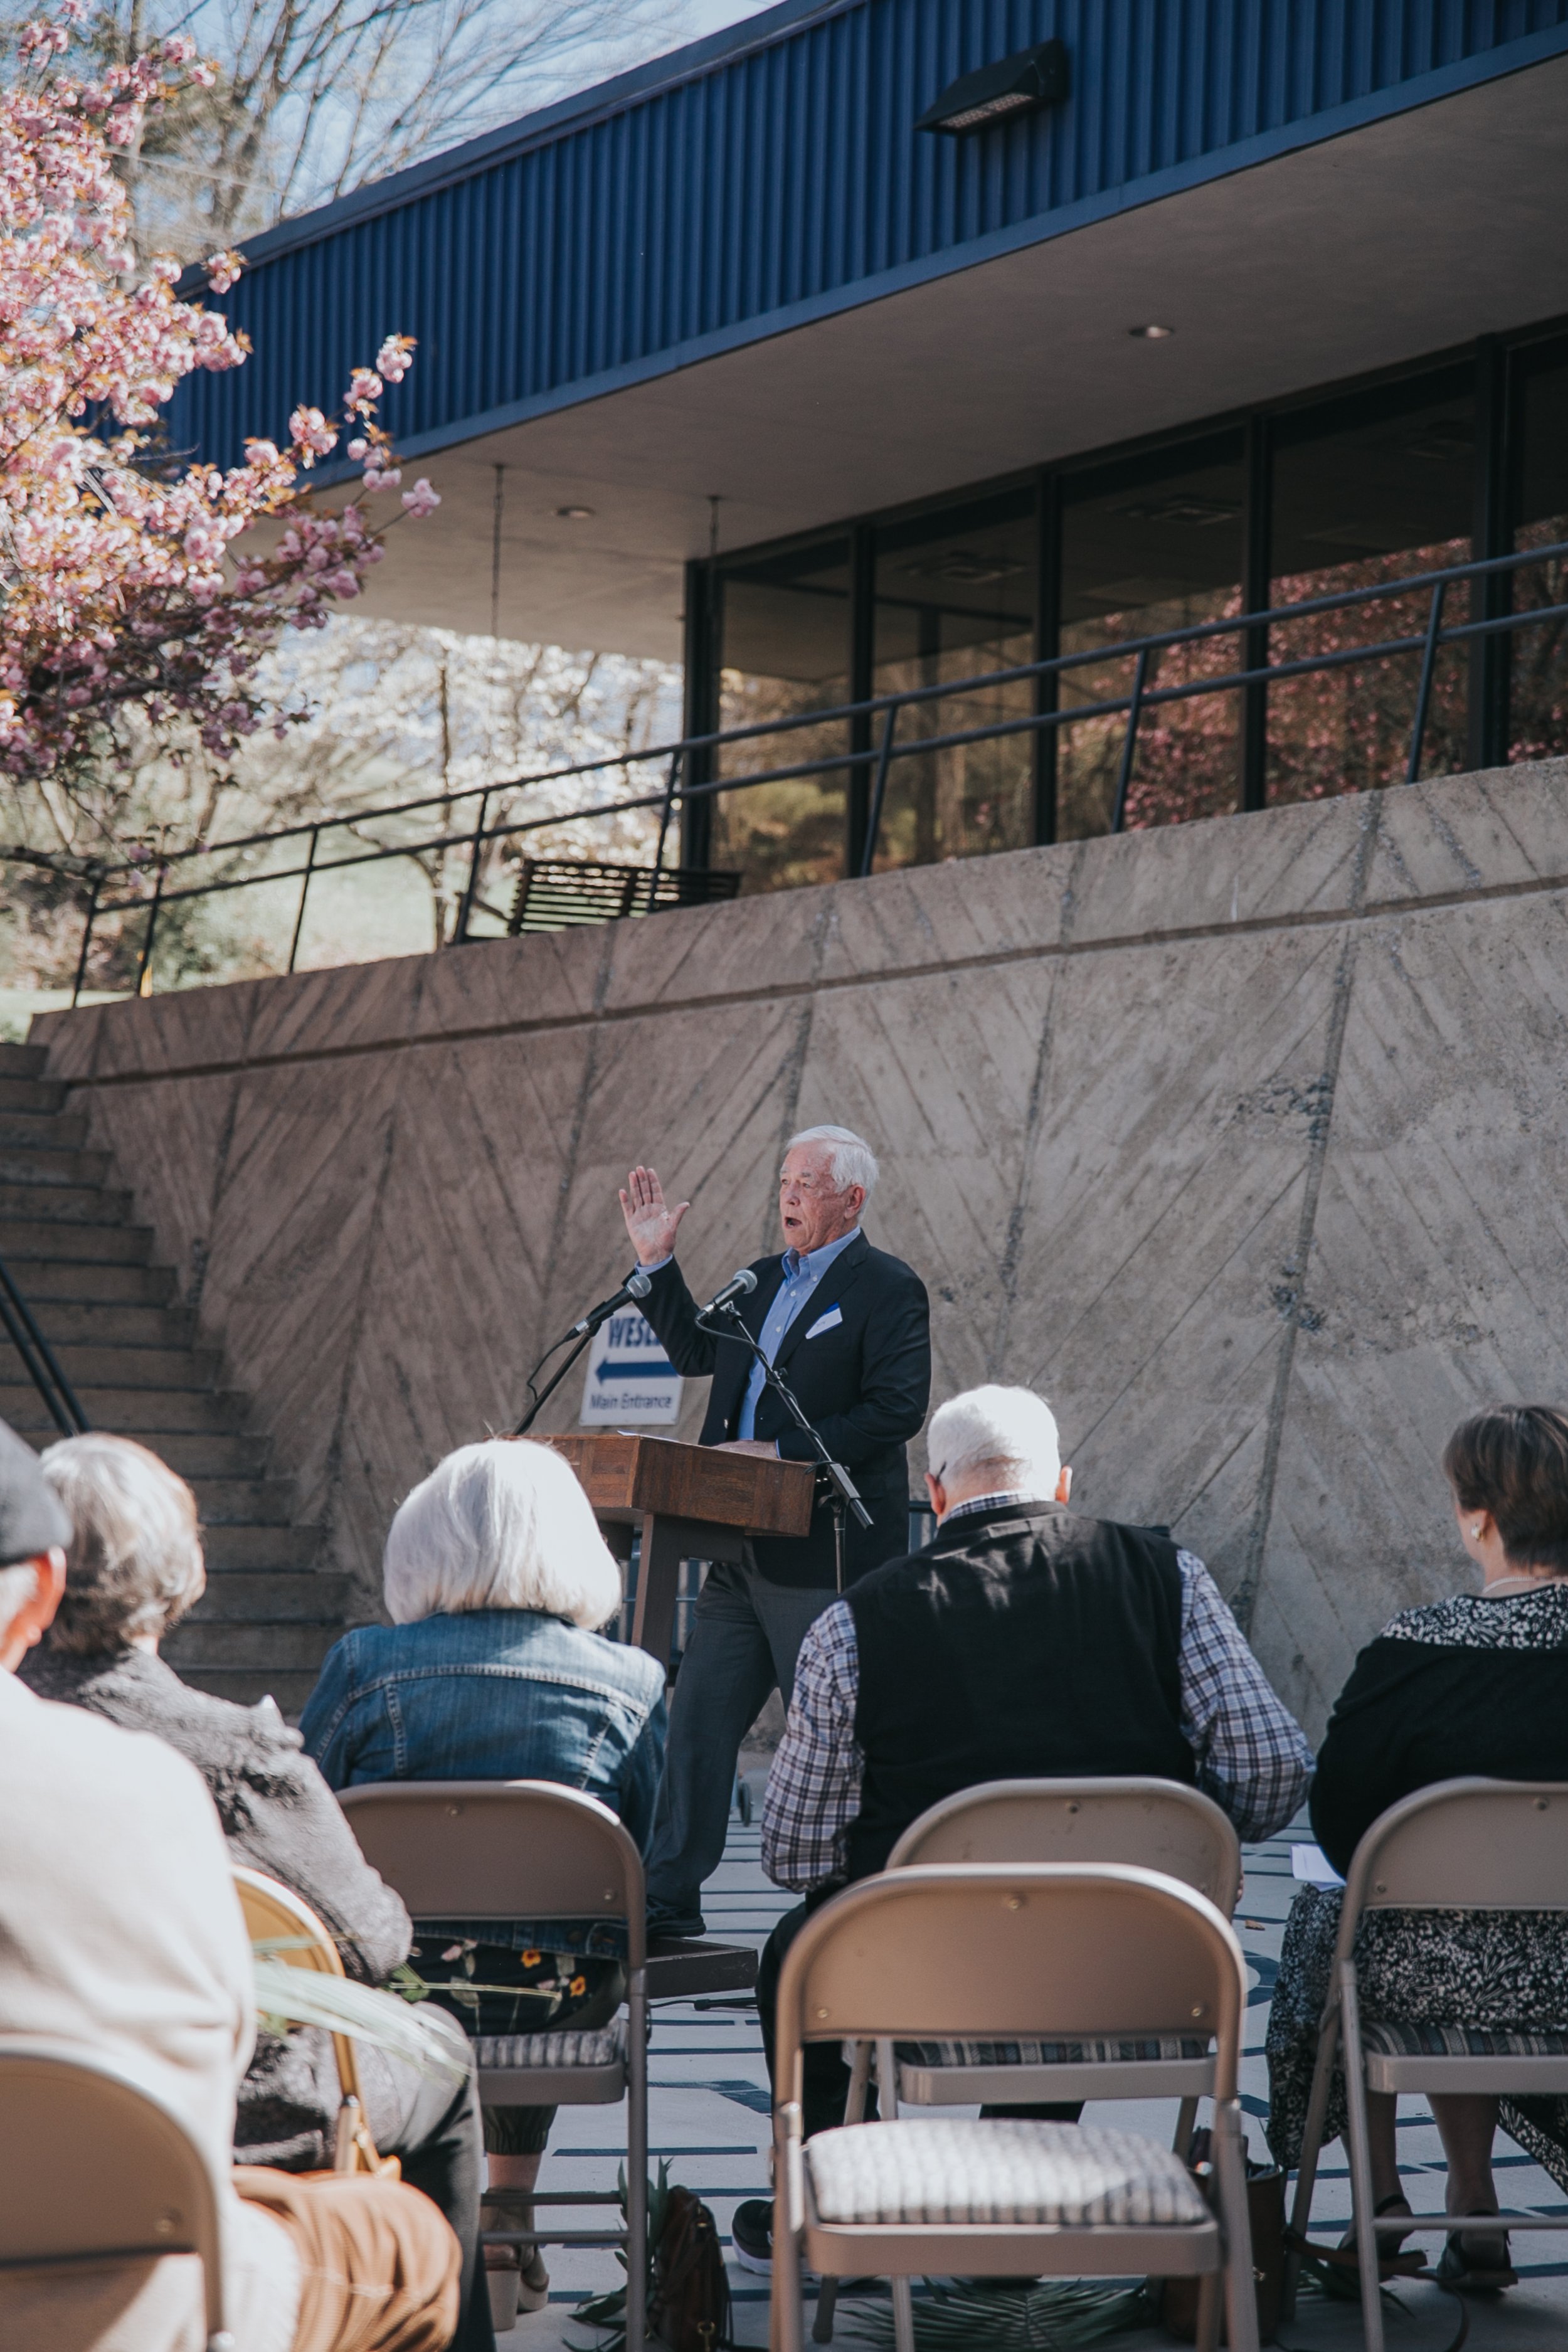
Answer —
494 1694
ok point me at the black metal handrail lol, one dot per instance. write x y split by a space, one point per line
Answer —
876 752
39 1359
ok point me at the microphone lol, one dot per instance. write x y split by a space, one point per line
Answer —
636 1286
740 1286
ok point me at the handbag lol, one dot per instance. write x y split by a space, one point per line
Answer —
1178 2297
689 2308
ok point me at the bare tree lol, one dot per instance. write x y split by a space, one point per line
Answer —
315 97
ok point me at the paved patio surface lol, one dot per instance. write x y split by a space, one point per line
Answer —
709 2120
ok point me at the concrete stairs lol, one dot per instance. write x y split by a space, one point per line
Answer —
129 1351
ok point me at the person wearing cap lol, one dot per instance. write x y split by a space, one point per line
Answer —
121 1934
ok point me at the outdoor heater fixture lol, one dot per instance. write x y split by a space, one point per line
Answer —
1015 85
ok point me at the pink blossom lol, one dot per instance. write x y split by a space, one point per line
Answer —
357 449
223 270
396 358
421 499
381 478
310 429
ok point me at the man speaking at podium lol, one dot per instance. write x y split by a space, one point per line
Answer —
850 1328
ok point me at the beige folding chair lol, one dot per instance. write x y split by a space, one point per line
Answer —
1093 1952
1148 1823
275 1914
1153 1824
1461 1845
93 2168
506 1850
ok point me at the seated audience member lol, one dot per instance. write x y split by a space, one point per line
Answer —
121 1934
1472 1685
1024 1641
495 1575
133 1568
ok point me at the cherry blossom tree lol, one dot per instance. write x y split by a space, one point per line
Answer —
137 592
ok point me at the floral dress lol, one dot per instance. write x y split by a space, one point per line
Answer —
1483 1689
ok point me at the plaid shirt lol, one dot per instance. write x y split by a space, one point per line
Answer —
1251 1756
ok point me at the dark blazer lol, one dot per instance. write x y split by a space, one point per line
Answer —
864 1384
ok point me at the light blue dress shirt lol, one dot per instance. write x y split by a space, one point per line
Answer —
801 1275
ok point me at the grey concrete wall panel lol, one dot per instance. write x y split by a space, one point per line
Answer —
1242 1140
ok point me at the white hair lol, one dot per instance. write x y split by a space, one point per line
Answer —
850 1159
134 1565
17 1586
501 1525
1009 1431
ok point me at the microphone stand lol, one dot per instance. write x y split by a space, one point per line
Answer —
845 1495
542 1398
599 1315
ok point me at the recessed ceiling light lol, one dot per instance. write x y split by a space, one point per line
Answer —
574 514
1151 334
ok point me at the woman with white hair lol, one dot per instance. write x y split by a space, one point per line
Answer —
496 1578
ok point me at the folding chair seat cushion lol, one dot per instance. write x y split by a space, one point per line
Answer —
940 2171
586 2069
598 2046
1127 2052
1387 2039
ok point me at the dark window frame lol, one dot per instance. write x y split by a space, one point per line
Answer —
1496 366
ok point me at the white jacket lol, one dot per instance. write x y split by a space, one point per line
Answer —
119 1931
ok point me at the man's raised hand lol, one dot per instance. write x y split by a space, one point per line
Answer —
650 1221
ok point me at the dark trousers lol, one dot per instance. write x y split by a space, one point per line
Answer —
825 2087
745 1637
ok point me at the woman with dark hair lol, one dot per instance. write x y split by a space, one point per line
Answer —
1477 1684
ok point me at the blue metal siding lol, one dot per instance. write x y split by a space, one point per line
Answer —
786 175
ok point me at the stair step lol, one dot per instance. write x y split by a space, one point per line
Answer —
233 1550
31 1094
85 1204
53 1130
41 1163
272 1643
95 1280
92 1323
86 1365
22 1061
243 1502
244 1685
274 1596
134 1412
27 1237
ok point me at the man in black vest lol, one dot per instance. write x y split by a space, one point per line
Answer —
1022 1642
851 1328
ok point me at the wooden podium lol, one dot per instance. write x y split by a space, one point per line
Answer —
691 1501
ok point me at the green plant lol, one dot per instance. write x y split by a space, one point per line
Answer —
1051 2316
609 2311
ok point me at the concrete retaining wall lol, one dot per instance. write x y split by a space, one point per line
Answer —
1243 1141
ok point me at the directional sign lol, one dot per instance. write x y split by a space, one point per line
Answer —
630 1377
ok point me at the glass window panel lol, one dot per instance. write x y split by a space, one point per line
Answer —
785 647
955 598
1539 661
1147 546
1369 489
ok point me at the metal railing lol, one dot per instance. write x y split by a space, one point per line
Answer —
38 1360
875 721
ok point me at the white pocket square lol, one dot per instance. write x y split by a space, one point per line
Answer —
828 1322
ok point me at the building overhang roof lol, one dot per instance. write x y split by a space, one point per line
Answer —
1398 223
